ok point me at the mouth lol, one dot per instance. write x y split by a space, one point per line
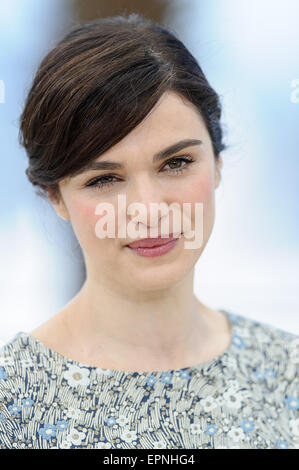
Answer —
153 242
152 247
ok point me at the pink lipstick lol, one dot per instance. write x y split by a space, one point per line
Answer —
151 247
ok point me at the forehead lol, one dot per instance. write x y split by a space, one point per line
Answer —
172 118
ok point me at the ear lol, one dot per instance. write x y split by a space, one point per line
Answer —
218 167
58 203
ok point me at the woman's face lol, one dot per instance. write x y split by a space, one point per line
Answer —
108 260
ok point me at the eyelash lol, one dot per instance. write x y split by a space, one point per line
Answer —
98 182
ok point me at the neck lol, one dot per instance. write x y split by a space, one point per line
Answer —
163 327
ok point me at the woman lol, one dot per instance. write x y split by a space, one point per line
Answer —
120 107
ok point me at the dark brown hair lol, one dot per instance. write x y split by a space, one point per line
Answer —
96 85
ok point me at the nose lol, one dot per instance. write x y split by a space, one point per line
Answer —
147 203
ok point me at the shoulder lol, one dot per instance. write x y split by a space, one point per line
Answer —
263 334
12 382
27 373
16 359
20 358
266 349
16 352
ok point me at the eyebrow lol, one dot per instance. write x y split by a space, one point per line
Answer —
106 165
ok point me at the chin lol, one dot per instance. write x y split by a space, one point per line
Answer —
158 277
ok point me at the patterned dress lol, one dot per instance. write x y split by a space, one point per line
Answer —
247 397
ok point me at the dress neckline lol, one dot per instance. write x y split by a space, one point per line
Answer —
38 346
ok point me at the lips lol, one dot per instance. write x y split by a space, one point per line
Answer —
151 242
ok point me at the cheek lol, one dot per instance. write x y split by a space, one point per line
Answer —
199 189
84 218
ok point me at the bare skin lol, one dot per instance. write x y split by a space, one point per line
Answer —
55 334
135 313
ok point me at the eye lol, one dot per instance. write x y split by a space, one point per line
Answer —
105 181
187 160
101 181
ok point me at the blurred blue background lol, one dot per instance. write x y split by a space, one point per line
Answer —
249 51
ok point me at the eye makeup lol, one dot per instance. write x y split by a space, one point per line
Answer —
104 181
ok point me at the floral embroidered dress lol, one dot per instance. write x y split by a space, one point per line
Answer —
245 398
